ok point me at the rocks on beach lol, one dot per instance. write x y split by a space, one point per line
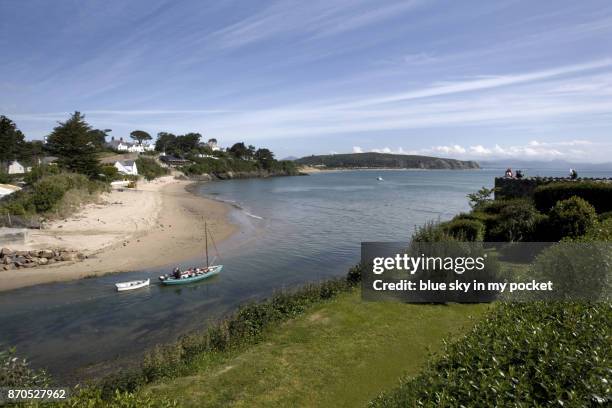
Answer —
10 259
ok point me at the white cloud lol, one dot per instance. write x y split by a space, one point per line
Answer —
357 149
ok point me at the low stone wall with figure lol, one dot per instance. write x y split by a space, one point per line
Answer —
506 187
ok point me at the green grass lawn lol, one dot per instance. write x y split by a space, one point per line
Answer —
341 353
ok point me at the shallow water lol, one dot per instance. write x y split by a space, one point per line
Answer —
293 230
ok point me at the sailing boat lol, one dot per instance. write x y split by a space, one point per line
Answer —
193 274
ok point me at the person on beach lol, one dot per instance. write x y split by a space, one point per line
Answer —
573 174
519 174
509 173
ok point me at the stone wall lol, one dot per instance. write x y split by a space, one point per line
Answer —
518 188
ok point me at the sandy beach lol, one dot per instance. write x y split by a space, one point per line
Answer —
159 223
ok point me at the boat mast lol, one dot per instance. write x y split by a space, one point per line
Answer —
206 235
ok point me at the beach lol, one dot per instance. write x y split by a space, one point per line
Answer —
158 223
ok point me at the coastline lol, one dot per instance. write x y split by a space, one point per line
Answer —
158 224
315 170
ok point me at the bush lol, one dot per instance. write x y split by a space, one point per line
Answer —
465 229
431 232
16 372
516 221
571 218
150 169
598 194
580 270
531 355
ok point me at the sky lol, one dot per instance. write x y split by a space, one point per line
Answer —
466 79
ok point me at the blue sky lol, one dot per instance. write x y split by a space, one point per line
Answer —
466 79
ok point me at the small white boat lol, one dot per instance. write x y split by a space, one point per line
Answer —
380 179
132 285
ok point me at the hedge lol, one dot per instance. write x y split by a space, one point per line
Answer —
599 194
530 354
465 229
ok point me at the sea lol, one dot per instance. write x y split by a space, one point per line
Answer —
293 230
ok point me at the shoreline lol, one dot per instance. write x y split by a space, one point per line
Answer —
158 224
314 170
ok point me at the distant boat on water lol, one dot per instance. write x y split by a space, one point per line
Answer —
193 274
380 178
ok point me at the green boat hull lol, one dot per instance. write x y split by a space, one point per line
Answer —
184 281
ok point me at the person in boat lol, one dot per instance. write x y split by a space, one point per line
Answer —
177 273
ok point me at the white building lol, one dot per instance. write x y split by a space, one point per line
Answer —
15 167
127 167
6 189
123 146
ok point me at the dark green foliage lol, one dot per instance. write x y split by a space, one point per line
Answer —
11 140
74 146
239 150
605 216
110 173
465 230
384 160
601 231
481 197
16 372
39 172
4 177
150 168
265 158
570 218
180 145
516 220
531 355
598 194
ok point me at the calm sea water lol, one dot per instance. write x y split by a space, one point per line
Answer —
293 230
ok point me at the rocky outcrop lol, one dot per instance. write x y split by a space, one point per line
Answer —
230 175
10 259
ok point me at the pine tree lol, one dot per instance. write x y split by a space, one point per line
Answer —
71 142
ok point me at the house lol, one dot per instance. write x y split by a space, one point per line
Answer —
207 156
6 189
127 167
15 167
122 146
173 161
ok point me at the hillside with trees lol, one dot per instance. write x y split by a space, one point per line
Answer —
384 160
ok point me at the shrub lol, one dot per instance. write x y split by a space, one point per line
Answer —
431 232
571 218
16 372
605 216
598 194
150 169
465 229
516 221
532 354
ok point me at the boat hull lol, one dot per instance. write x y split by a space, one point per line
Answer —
183 281
133 285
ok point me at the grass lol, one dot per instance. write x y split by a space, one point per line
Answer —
341 353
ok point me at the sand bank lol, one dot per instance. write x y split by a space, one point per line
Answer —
160 223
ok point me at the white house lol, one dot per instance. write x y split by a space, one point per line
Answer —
123 146
6 189
127 167
15 167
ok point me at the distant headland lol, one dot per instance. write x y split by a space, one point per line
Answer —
384 161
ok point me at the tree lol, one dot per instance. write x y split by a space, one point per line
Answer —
11 140
481 197
72 143
166 142
98 137
265 157
188 142
140 136
239 150
251 151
